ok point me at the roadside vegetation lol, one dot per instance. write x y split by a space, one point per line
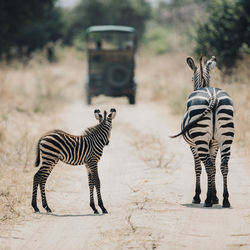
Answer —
31 97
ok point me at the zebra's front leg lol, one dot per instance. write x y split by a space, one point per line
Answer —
197 164
91 189
36 181
98 191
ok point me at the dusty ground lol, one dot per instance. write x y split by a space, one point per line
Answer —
147 187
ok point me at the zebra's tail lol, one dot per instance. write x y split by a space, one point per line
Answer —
37 163
212 103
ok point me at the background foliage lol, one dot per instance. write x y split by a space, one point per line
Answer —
19 21
226 33
127 12
215 27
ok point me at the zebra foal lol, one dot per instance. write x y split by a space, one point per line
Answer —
84 149
208 126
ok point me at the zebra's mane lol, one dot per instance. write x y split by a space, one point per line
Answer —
201 76
203 82
91 130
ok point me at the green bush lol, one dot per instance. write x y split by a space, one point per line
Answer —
27 25
226 34
38 34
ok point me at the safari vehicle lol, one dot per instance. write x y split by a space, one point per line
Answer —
111 61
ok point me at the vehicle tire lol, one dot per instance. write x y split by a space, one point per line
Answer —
118 75
131 98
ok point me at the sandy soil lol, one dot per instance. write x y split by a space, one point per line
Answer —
147 194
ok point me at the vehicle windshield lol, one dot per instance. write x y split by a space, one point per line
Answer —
111 40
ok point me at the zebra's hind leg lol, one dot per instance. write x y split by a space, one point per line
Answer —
197 164
91 189
98 190
224 171
45 172
214 146
206 159
36 181
209 170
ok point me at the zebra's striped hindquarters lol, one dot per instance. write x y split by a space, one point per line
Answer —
217 124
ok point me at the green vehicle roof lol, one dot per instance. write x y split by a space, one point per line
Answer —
104 28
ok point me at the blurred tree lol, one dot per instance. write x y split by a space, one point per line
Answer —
179 12
226 34
40 33
133 13
86 13
103 12
28 24
172 23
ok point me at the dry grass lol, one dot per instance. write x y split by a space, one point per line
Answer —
163 79
132 226
150 149
30 96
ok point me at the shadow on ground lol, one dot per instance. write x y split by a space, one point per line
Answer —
70 215
201 205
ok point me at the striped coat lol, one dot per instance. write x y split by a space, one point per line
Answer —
84 149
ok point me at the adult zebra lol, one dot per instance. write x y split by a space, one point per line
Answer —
208 126
75 150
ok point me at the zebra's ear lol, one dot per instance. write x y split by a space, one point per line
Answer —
112 113
191 64
211 63
98 116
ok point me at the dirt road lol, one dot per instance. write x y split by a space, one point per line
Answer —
147 187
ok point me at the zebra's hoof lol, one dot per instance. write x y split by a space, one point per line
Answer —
104 211
196 200
96 212
206 204
215 200
37 210
48 210
34 205
226 204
